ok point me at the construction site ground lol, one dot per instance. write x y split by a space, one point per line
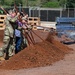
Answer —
60 63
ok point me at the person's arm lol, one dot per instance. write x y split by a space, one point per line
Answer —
13 19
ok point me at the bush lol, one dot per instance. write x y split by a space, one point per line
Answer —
51 4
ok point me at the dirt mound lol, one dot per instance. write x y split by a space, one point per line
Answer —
41 54
56 43
1 35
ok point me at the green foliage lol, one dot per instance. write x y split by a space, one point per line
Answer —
32 0
10 2
7 2
2 2
43 3
62 2
51 4
67 3
71 3
17 2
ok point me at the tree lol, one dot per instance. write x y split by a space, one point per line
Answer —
62 3
2 2
71 3
17 2
67 3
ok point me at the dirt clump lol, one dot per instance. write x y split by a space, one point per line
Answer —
1 35
41 54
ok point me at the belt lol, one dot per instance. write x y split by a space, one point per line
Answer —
6 35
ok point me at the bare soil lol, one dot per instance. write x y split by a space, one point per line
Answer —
42 54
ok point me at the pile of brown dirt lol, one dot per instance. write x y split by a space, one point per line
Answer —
1 35
56 43
41 54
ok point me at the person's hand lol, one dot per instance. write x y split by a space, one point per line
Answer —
1 7
18 14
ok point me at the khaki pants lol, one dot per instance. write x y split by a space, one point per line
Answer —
6 46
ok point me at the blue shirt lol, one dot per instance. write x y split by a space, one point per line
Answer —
17 33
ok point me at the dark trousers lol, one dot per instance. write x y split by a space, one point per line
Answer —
18 44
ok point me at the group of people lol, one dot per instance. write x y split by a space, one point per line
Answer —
14 40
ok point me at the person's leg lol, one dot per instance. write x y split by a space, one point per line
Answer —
11 47
24 42
18 44
5 45
11 50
